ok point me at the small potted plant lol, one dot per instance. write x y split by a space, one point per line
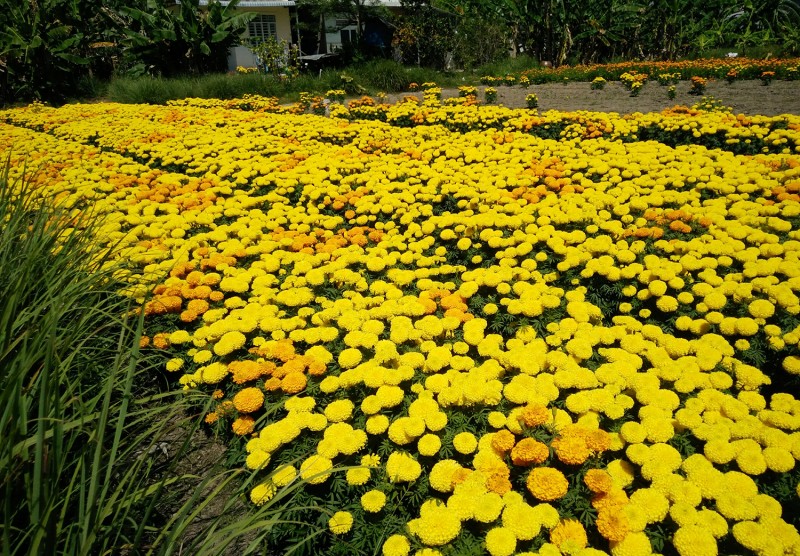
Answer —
598 84
490 95
671 92
767 77
532 101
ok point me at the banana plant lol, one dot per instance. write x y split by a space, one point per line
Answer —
164 38
40 45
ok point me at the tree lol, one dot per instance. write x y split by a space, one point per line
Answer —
425 34
164 39
48 47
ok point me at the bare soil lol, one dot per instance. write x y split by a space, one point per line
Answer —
748 97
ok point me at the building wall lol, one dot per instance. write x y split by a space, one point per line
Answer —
243 56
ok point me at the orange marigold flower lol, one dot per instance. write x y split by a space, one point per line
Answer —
283 350
529 451
293 383
295 365
188 316
199 292
144 341
460 475
211 417
503 440
161 340
272 384
613 499
498 483
317 368
226 408
243 425
245 371
612 524
195 277
249 400
199 306
598 480
547 484
534 415
571 449
597 440
216 296
217 394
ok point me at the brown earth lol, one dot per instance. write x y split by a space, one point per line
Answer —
749 97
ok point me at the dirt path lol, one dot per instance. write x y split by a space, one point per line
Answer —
749 97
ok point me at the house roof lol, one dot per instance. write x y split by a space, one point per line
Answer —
257 3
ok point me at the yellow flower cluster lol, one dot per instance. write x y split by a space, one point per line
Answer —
481 304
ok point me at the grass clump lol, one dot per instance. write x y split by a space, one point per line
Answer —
93 456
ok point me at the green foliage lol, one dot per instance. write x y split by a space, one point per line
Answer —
49 48
159 39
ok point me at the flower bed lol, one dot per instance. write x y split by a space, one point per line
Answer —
468 329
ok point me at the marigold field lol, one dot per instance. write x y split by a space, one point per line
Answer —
467 329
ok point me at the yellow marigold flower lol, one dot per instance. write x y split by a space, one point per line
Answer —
316 469
262 493
429 445
213 373
371 460
401 467
751 461
229 342
501 541
441 475
174 364
257 459
284 475
349 358
761 309
465 442
715 300
340 523
521 519
377 424
634 544
437 524
569 536
654 503
249 400
396 545
791 364
547 484
756 537
358 476
339 410
496 419
373 501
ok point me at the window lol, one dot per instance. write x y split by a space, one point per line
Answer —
262 28
348 36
